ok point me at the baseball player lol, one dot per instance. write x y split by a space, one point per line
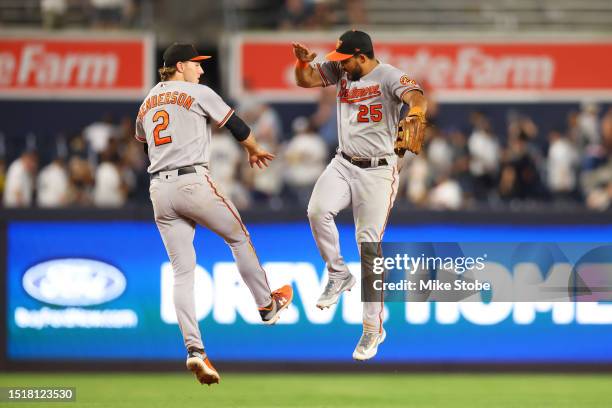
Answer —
175 122
364 173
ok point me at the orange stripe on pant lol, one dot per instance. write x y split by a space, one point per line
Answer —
242 226
382 232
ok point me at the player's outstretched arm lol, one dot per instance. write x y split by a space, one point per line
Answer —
242 133
257 156
305 75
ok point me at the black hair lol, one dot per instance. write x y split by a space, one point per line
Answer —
369 54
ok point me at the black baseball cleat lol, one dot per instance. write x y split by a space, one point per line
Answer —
201 367
281 298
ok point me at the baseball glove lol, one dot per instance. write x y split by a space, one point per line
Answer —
411 133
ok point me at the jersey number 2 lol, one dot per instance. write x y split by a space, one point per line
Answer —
374 112
163 125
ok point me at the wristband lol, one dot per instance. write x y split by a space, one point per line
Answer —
301 64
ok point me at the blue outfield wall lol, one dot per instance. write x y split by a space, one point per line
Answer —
121 307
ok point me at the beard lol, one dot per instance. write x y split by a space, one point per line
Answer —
355 74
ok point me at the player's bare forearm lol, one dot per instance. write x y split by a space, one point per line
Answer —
415 101
250 144
305 75
257 155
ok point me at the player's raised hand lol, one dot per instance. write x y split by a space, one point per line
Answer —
260 158
302 52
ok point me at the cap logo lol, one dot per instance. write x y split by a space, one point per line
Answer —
338 44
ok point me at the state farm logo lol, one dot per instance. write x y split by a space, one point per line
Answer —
74 282
473 67
35 66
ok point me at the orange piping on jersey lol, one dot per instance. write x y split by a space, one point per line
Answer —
382 232
214 189
323 77
225 119
408 90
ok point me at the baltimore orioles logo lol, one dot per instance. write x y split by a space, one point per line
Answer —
338 44
406 81
352 95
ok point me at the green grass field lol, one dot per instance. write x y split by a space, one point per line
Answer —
324 390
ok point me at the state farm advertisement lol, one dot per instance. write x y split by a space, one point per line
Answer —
453 70
87 67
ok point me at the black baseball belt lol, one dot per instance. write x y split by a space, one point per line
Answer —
181 171
363 162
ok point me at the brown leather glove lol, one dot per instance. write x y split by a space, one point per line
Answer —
411 132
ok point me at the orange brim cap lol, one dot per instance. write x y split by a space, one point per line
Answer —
200 58
337 56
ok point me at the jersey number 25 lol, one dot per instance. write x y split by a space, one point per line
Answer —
163 125
369 113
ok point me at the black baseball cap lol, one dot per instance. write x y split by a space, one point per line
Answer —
179 52
350 43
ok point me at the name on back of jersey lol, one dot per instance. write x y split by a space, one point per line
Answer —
164 98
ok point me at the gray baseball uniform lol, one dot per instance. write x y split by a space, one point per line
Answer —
175 122
368 112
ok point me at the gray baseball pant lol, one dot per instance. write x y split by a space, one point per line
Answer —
181 202
372 192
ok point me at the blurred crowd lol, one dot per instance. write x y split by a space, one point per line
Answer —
100 166
459 168
521 168
320 14
96 14
278 14
463 167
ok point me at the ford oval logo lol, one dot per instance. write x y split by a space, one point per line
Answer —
74 282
